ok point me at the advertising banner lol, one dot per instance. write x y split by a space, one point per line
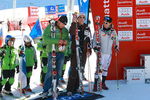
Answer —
50 9
33 12
131 20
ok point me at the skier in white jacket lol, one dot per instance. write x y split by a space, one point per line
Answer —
108 37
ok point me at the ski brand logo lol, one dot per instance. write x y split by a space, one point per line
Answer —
124 11
143 23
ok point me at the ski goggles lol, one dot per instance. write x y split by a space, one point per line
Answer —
81 17
107 23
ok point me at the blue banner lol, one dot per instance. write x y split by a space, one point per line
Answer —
50 9
36 30
84 8
61 8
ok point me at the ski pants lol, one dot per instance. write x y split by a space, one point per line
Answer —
7 79
44 61
105 61
73 81
29 74
59 64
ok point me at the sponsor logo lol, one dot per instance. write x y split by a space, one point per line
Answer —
143 23
106 6
124 11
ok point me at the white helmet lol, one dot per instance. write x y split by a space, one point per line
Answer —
26 39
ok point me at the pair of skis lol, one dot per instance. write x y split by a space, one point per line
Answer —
79 69
98 73
54 70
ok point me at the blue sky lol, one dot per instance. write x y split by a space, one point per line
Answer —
7 4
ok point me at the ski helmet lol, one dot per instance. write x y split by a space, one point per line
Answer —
108 19
9 37
27 39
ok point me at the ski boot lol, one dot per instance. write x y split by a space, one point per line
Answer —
69 93
1 95
62 80
44 94
7 92
104 87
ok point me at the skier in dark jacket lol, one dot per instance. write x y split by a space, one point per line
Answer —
31 60
84 44
109 38
9 58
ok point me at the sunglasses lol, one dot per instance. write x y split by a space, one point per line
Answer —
106 23
82 17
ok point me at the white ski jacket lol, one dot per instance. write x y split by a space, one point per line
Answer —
108 38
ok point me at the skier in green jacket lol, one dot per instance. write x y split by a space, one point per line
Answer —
9 59
31 60
61 43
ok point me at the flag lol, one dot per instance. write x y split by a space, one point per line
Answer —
84 8
1 32
36 30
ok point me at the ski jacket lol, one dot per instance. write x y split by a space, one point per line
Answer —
84 34
30 54
60 35
9 57
108 38
42 48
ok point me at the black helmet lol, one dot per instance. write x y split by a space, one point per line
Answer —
108 19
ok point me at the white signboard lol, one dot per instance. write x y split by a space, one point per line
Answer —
125 12
125 35
143 23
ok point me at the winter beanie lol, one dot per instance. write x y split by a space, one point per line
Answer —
63 19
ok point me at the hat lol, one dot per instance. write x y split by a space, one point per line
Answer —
63 19
108 19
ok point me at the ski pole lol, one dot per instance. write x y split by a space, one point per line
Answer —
116 55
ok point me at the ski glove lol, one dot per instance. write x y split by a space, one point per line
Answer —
17 68
35 66
21 53
2 53
116 48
